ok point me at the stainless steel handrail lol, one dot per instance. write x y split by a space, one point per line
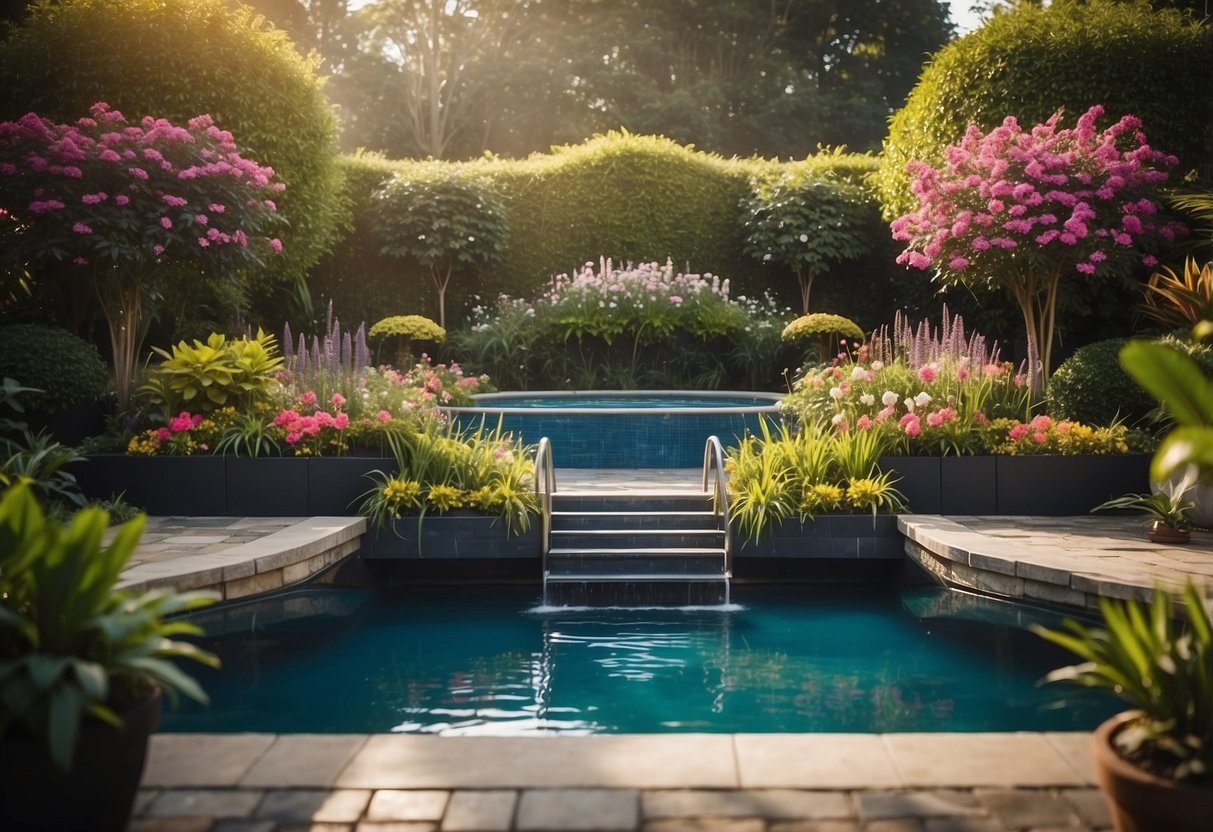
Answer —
713 457
545 485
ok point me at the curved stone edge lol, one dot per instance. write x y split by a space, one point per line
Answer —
286 557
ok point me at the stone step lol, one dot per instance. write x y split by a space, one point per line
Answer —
637 539
631 501
648 591
587 562
569 520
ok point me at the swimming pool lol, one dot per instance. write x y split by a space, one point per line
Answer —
479 661
622 429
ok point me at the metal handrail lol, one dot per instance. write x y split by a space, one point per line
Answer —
545 485
713 458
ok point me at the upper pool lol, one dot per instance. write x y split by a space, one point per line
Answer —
482 660
622 429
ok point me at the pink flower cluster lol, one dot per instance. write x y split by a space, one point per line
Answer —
181 423
300 426
82 176
1075 193
1037 429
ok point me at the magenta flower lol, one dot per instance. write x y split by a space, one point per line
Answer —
165 222
81 228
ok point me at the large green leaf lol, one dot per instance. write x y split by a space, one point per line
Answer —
1172 378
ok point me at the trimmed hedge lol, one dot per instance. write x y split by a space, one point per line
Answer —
67 369
1030 61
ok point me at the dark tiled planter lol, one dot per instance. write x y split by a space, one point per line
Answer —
968 485
918 478
163 485
1062 485
271 487
334 484
453 536
827 536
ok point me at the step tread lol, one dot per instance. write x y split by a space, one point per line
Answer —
670 513
634 495
694 577
647 551
638 532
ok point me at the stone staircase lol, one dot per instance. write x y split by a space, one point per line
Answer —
636 549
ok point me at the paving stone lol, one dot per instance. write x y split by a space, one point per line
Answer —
927 760
763 803
704 825
918 804
397 826
814 761
816 826
394 804
306 805
962 825
300 760
1075 748
183 760
316 827
170 825
480 811
208 803
1090 805
142 798
245 826
897 825
1026 807
599 810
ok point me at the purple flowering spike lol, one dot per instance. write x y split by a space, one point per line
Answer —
287 346
362 354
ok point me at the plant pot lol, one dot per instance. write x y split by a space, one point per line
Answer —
1160 532
95 795
1140 801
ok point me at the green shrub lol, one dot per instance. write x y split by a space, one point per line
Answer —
205 377
67 369
1030 61
1091 387
179 60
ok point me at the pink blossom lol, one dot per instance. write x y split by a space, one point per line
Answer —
341 421
864 422
94 199
201 219
163 434
383 416
911 425
275 245
165 222
181 422
926 374
675 299
338 400
81 228
121 199
307 399
1040 437
1018 432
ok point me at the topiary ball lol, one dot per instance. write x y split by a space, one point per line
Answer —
411 327
822 323
68 369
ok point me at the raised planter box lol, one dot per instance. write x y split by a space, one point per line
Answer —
826 537
1046 485
462 535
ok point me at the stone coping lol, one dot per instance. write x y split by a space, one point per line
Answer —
1062 560
672 782
239 557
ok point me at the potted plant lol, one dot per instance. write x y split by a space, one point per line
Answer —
1154 763
1167 508
82 667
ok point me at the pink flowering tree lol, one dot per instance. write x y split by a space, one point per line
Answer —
1022 210
119 210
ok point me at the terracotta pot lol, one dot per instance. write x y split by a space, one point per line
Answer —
1143 802
1160 532
95 795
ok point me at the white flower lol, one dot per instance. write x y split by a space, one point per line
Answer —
838 419
909 403
889 399
836 393
922 399
877 365
868 399
858 372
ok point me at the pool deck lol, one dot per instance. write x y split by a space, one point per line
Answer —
657 783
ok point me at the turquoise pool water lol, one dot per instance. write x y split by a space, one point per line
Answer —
477 661
622 429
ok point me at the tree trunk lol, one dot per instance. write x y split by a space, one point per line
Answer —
121 303
1037 299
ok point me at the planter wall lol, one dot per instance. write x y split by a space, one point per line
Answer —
459 536
828 536
1048 486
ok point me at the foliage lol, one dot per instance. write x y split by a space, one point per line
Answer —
185 434
806 223
205 377
1160 664
1046 435
440 469
177 60
36 459
1168 505
1091 386
442 223
71 645
822 323
407 328
117 208
65 369
1173 301
1019 210
787 474
1032 59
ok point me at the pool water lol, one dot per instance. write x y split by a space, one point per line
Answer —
481 661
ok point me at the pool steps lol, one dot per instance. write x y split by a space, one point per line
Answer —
635 548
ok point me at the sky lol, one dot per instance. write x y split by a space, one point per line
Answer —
965 20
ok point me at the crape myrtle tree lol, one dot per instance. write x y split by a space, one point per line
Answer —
1022 210
442 224
807 222
118 210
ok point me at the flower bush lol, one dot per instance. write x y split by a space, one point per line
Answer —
1045 435
1021 209
124 204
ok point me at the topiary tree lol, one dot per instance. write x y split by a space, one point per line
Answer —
440 223
1030 61
822 327
406 329
807 223
175 60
